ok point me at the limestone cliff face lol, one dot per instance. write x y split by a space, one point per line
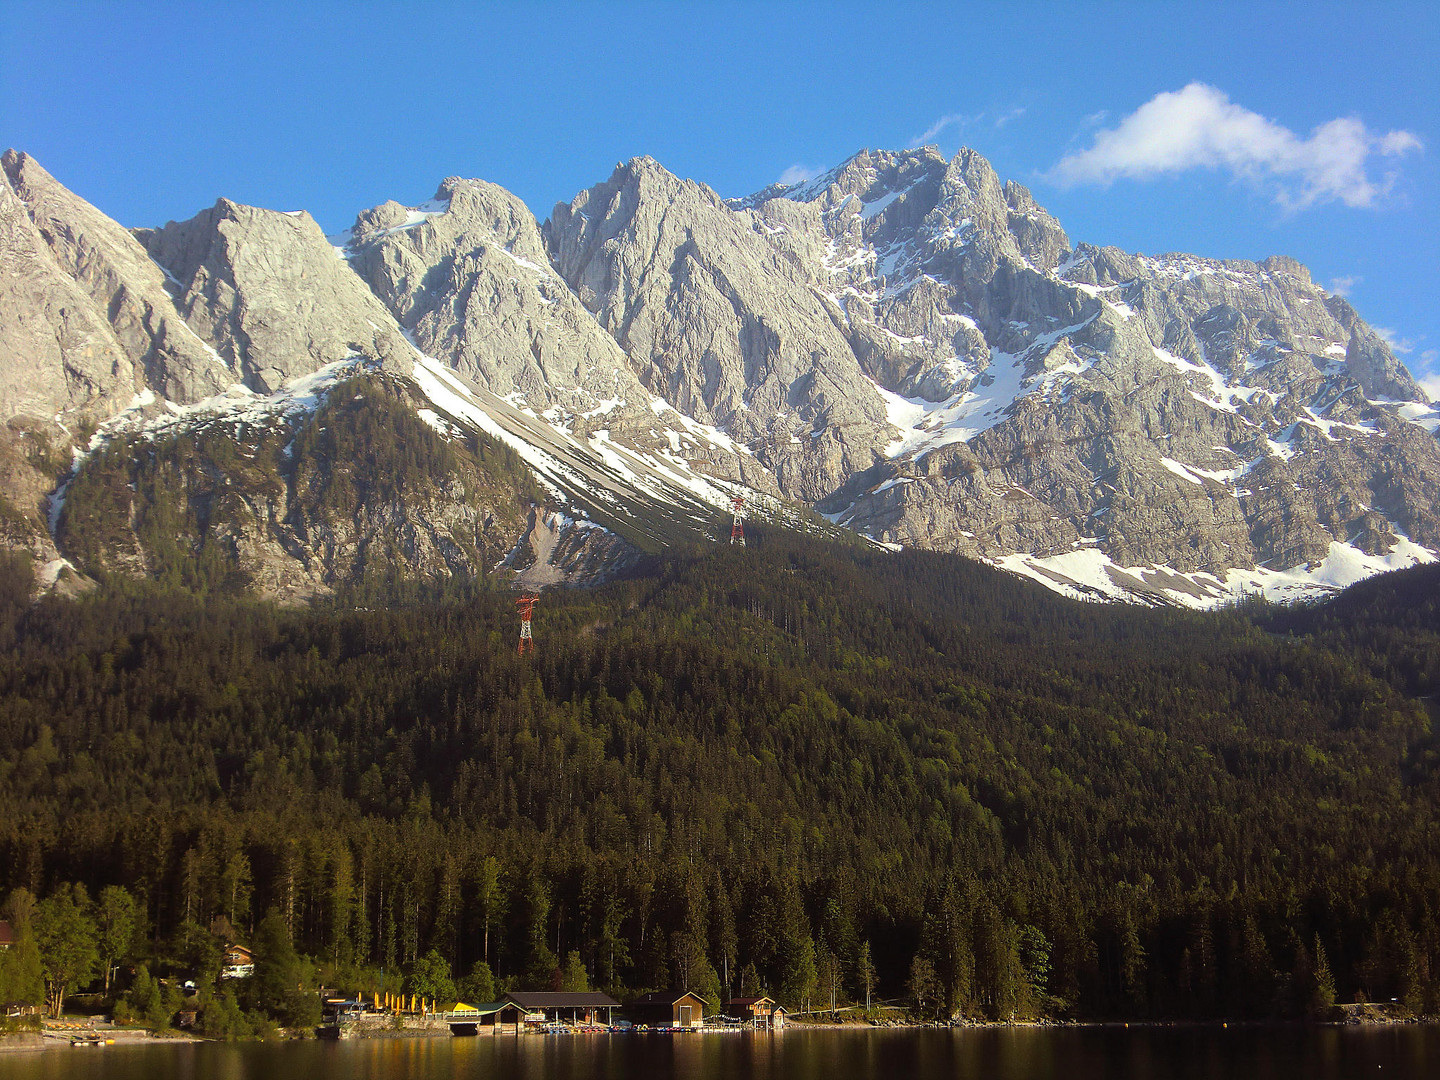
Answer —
468 276
906 344
1166 411
124 285
270 294
59 354
86 325
720 323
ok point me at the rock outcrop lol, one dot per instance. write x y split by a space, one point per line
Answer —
467 275
124 285
271 295
906 344
1174 412
720 324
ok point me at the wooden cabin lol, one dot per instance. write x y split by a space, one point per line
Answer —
675 1009
238 962
760 1012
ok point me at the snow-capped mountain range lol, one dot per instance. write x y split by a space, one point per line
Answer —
903 347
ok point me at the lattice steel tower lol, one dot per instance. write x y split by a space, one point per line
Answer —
737 527
525 605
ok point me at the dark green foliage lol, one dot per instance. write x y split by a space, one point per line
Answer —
756 762
147 1002
172 508
477 988
277 966
429 977
1390 624
220 1016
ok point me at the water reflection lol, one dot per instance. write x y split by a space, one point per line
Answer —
1406 1053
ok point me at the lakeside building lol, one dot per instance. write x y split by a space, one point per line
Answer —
676 1009
238 962
564 1008
491 1018
760 1012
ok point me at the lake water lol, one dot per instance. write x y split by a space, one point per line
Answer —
1407 1053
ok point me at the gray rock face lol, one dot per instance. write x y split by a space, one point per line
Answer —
720 323
271 294
58 356
1168 411
124 284
906 343
468 276
64 365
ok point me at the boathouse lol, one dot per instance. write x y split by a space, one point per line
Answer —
676 1009
491 1018
760 1012
565 1008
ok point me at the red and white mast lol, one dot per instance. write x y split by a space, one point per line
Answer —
525 605
737 526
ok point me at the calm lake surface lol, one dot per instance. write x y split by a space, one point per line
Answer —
1408 1053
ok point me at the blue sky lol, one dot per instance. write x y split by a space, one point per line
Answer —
1230 130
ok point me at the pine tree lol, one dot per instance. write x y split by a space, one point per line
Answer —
1322 995
865 973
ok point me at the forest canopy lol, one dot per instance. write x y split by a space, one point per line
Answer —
792 767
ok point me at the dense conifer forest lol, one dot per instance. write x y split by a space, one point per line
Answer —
813 770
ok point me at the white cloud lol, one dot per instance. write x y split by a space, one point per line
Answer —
1345 285
950 120
798 174
1013 114
1428 374
1200 127
1400 346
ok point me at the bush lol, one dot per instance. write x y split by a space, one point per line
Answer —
222 1018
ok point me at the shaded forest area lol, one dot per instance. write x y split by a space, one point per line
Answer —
793 767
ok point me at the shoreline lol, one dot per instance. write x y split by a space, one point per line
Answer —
37 1042
27 1042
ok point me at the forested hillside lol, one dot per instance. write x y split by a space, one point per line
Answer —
767 764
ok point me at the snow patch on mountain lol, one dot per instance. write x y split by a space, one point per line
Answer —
1090 574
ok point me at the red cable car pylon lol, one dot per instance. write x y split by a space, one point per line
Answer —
525 605
737 527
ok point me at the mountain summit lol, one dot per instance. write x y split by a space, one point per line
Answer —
905 346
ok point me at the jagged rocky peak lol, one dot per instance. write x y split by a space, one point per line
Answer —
1244 317
123 282
866 182
587 239
269 292
906 343
1042 241
467 274
58 354
719 322
1090 404
88 329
